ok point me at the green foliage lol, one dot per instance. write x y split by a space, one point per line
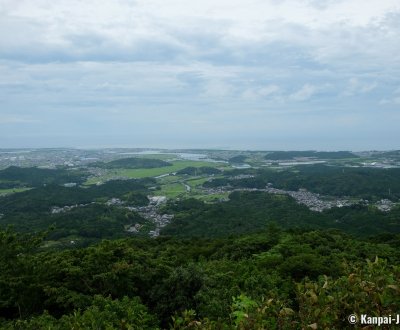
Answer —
237 159
178 291
258 261
244 212
241 306
86 221
133 163
371 289
19 294
102 314
93 220
199 170
247 212
273 279
367 183
14 176
135 198
43 198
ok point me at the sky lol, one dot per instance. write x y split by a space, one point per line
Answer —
254 74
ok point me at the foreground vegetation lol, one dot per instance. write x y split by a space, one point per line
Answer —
270 280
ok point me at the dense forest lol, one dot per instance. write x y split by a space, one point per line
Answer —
87 216
237 159
273 279
13 177
366 183
253 211
43 198
199 170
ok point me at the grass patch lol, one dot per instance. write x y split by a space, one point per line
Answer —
12 190
172 190
169 179
196 182
149 172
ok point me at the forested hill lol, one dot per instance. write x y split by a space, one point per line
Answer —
14 176
132 163
359 182
253 211
43 198
203 170
82 215
270 280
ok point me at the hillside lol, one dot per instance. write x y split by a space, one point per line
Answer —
133 163
172 283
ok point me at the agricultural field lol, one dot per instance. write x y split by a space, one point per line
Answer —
152 172
12 191
172 190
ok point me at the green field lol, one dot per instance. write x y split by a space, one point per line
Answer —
169 179
153 172
196 182
12 190
172 190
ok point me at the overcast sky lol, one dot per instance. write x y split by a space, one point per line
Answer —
254 74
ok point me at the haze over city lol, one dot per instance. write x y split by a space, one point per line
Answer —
267 75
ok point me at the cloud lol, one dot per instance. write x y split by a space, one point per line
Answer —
393 99
356 86
16 119
215 88
94 66
304 93
156 30
261 92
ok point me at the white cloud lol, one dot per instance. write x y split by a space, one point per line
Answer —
304 93
393 99
69 61
356 86
17 119
261 92
122 28
217 89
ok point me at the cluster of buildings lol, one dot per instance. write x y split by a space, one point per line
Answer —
311 200
46 158
114 202
385 205
57 209
242 176
152 213
315 202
